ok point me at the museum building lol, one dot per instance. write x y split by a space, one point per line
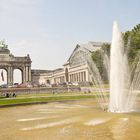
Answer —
75 70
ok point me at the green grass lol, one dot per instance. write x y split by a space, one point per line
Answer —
25 99
50 94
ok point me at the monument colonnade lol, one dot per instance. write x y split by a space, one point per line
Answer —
25 73
9 63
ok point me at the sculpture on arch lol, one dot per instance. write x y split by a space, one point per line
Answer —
2 44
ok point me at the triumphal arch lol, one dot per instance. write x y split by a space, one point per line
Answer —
9 63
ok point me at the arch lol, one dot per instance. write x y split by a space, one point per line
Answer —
9 62
3 76
18 75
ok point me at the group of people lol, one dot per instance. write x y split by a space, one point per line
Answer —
7 95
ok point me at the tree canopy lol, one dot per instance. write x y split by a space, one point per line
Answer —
132 43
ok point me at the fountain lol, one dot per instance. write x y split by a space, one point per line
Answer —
119 74
124 80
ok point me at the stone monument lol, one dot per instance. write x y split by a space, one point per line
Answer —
9 63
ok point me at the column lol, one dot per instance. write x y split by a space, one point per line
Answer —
11 79
29 73
74 77
87 77
84 76
9 76
71 77
79 77
26 73
23 75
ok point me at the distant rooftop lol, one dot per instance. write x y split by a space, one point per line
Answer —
92 46
39 71
59 69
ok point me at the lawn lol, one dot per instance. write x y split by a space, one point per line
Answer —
42 98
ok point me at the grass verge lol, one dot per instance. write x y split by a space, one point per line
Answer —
16 101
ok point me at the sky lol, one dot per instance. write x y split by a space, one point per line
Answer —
49 30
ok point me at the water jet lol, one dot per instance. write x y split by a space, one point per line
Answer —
122 85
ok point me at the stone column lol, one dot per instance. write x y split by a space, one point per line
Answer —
69 78
10 76
82 76
74 77
79 77
86 72
26 73
23 75
29 73
12 73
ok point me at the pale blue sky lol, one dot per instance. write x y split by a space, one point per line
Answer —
50 29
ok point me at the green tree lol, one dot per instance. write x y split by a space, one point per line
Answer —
132 43
98 58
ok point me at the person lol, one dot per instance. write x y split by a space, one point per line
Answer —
7 95
14 95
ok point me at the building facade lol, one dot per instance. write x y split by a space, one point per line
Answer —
9 63
75 70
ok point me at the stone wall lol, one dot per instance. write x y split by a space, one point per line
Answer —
40 90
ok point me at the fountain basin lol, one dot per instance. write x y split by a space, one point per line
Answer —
76 120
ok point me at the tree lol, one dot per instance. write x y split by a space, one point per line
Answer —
98 58
132 43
